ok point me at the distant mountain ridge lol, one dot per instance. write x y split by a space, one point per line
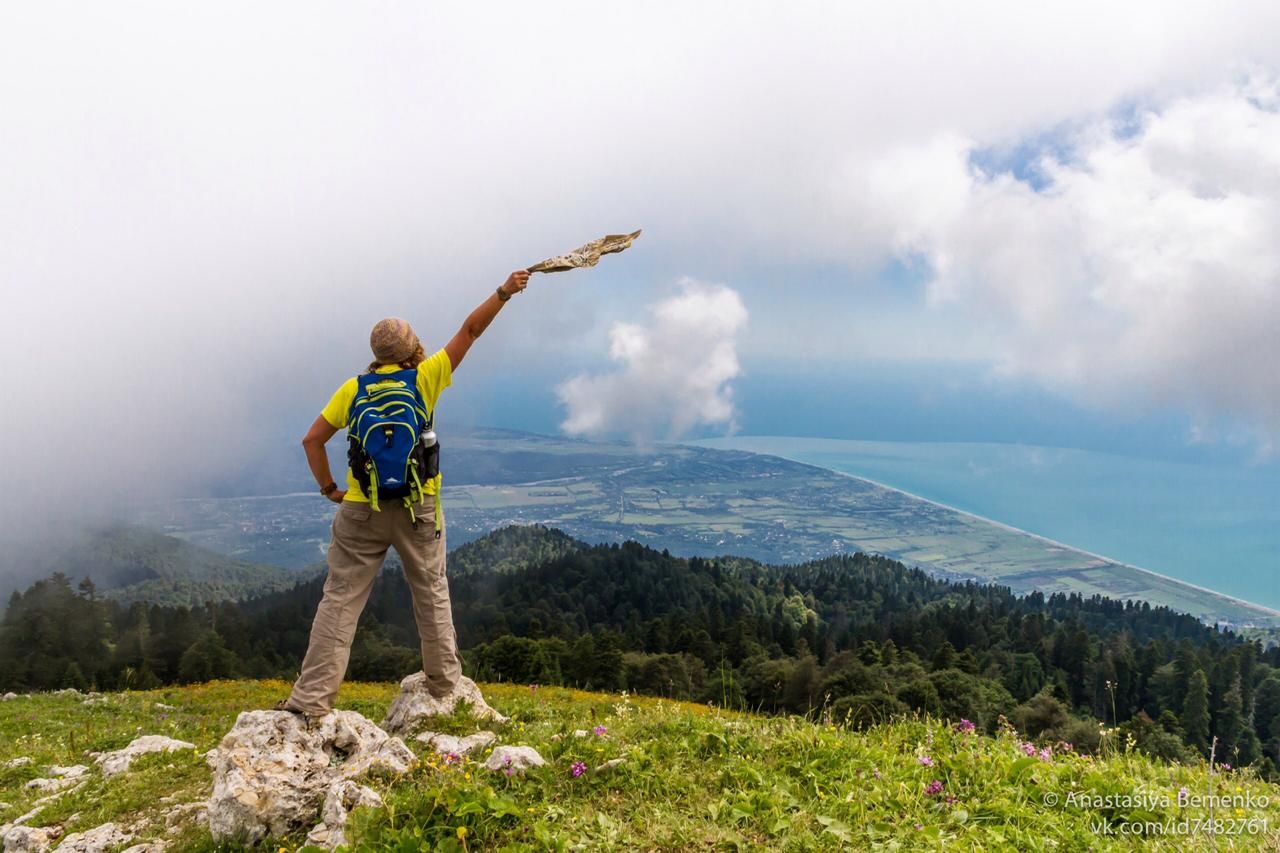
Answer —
131 563
698 501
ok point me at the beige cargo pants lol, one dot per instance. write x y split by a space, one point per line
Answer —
360 541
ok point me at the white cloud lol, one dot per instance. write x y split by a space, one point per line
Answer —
672 375
220 199
1144 272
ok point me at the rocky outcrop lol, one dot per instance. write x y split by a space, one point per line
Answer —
29 839
514 759
446 744
73 771
183 813
414 706
119 760
272 770
100 839
343 796
17 835
59 779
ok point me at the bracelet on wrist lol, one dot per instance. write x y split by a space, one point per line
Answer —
503 296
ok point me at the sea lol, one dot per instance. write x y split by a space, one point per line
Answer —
1214 525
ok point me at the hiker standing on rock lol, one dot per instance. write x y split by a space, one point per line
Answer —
391 499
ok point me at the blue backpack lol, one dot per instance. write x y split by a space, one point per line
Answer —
391 445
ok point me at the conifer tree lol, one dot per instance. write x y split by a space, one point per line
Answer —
1195 712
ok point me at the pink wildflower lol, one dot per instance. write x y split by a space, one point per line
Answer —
1028 748
934 788
966 726
578 769
600 731
925 761
1046 754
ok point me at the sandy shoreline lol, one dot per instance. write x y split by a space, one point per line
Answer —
1240 602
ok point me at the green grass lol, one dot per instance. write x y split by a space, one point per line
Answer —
694 777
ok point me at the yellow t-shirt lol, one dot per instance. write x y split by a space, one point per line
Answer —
434 375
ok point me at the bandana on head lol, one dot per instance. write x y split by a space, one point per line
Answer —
392 340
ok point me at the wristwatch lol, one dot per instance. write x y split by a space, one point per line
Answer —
503 296
329 489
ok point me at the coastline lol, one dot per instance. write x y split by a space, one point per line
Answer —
1261 609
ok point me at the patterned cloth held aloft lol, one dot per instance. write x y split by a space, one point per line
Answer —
588 255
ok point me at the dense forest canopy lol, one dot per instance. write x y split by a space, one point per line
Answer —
855 638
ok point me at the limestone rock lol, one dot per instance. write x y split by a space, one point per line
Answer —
20 761
60 778
415 704
49 786
445 744
9 697
611 764
30 839
557 737
119 760
176 816
75 771
343 796
514 759
272 769
76 784
97 840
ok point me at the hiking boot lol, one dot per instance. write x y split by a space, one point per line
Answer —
308 720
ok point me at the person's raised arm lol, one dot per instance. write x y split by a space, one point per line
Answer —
479 319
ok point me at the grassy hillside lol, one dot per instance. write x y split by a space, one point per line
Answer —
694 777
